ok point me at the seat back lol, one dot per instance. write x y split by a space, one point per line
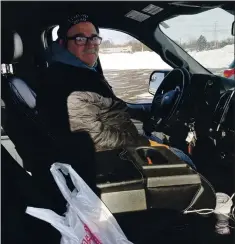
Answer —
19 116
20 187
23 93
33 141
19 112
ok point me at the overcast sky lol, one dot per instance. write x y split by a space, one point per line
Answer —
213 24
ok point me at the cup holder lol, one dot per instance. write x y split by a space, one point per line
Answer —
151 156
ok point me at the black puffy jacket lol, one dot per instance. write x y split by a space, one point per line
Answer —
73 100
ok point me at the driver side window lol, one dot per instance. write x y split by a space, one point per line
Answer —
127 65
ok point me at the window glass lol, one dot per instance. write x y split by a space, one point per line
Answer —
127 64
205 36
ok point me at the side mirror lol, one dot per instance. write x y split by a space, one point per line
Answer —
156 79
233 29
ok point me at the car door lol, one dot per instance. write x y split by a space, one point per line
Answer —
127 65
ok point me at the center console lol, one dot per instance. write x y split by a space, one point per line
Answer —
142 178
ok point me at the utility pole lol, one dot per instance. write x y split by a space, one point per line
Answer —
215 34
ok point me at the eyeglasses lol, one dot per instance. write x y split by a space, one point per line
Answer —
83 40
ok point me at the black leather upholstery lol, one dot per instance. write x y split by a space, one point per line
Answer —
12 51
23 92
37 147
19 99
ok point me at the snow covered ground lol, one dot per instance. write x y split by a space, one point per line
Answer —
129 74
218 58
215 59
127 61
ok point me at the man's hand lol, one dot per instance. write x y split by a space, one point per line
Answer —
156 144
140 114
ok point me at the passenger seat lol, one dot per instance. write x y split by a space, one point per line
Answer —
19 99
35 144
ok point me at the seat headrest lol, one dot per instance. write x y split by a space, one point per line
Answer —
12 47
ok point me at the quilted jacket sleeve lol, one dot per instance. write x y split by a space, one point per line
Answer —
84 115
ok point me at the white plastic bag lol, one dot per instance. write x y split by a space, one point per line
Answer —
87 220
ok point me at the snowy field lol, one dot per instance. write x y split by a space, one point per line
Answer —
215 59
129 74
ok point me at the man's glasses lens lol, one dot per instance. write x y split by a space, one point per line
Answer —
95 40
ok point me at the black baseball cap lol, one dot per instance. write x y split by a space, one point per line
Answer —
73 20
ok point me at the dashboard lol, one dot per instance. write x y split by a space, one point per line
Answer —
213 100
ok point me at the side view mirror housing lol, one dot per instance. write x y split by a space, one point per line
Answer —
156 79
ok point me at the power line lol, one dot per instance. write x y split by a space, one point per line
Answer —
217 30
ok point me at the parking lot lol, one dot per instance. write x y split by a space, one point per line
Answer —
132 85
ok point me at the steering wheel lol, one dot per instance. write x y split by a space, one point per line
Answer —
168 97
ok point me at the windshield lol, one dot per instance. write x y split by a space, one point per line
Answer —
205 36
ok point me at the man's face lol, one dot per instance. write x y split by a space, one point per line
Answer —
87 53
